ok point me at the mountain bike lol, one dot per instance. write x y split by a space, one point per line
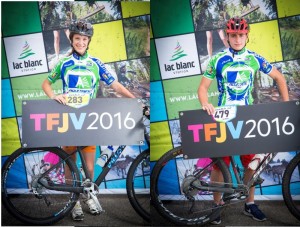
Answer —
45 194
183 193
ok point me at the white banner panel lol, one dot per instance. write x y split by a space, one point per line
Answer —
177 56
25 55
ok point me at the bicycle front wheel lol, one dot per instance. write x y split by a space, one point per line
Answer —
138 185
26 198
174 192
291 186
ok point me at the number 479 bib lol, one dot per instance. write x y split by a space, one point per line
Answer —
224 113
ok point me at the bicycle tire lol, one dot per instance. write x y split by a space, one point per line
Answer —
167 195
25 198
291 186
138 179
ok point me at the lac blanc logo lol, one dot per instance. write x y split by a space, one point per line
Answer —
26 54
178 56
178 53
26 51
180 66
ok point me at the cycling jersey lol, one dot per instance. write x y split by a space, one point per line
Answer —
235 72
81 74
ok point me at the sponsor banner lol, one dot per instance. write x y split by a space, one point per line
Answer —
30 88
177 56
104 121
25 54
181 94
238 130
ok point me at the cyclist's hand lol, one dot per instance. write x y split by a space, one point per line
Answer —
60 98
209 108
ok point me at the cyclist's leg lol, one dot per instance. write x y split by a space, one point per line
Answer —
246 159
251 209
217 176
69 150
89 154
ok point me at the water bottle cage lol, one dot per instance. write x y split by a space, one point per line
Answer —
104 157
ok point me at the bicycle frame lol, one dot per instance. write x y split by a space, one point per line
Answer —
231 190
69 188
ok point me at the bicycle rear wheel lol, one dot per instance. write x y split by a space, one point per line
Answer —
291 186
22 194
173 191
138 184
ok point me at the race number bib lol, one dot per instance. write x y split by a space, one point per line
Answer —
77 100
224 113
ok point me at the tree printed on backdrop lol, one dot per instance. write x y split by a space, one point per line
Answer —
274 34
44 35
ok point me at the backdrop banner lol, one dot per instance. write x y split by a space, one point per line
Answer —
237 130
103 121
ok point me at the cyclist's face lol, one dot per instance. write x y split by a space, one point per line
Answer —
80 43
237 40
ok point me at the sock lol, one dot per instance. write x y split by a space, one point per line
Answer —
250 203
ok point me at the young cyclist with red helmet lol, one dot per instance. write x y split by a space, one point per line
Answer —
234 69
81 73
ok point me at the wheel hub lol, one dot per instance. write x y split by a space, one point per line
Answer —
187 187
37 188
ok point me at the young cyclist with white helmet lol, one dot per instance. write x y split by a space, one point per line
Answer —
234 69
81 73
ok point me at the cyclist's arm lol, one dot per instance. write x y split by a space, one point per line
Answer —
121 89
203 97
46 86
281 82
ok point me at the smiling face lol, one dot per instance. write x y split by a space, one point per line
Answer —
80 43
237 40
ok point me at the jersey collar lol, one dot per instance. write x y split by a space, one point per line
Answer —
80 57
237 52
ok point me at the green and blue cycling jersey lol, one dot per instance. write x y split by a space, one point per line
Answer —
81 74
235 73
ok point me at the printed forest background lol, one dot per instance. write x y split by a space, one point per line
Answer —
35 36
186 33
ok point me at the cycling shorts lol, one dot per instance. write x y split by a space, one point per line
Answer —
69 149
245 159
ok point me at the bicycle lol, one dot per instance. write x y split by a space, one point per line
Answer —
189 200
44 195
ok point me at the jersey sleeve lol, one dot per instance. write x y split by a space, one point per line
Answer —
210 72
105 75
264 65
54 75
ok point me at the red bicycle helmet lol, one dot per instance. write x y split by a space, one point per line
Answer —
237 25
